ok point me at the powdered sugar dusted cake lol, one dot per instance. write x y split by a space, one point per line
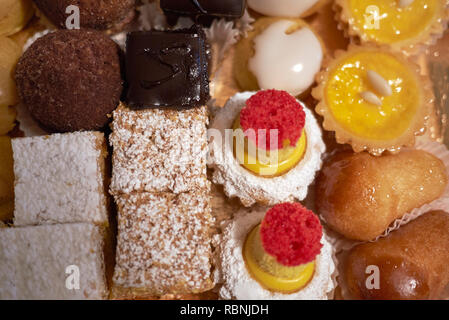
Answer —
34 261
163 244
160 185
159 150
60 179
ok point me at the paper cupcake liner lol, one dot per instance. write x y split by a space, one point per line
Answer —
151 16
409 48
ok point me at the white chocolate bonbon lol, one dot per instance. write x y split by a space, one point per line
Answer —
282 8
286 61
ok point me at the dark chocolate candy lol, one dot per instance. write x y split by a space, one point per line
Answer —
230 9
167 69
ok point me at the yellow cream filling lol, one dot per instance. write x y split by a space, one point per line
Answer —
265 162
395 24
268 272
349 79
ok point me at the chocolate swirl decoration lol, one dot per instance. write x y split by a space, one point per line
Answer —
161 55
199 7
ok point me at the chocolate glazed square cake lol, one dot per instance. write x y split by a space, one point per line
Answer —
167 69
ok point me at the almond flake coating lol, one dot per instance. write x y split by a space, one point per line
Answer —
163 243
59 179
34 261
159 150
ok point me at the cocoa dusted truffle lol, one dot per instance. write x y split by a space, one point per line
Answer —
111 15
70 80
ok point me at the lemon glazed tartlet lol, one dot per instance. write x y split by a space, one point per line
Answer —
373 106
281 253
265 147
406 25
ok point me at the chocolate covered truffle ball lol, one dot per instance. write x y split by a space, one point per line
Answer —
94 14
70 80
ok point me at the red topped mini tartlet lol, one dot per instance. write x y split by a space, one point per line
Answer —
280 253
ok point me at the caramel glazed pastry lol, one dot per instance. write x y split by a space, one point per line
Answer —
360 195
412 262
279 254
239 130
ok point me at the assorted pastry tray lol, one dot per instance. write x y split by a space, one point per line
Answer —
190 149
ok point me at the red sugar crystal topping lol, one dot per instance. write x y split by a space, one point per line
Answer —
273 109
292 234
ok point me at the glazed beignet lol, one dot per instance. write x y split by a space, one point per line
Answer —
360 195
412 261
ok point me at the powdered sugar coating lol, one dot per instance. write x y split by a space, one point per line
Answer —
164 243
239 182
33 261
159 150
59 179
238 283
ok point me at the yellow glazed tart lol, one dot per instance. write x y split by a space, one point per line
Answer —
401 24
373 106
